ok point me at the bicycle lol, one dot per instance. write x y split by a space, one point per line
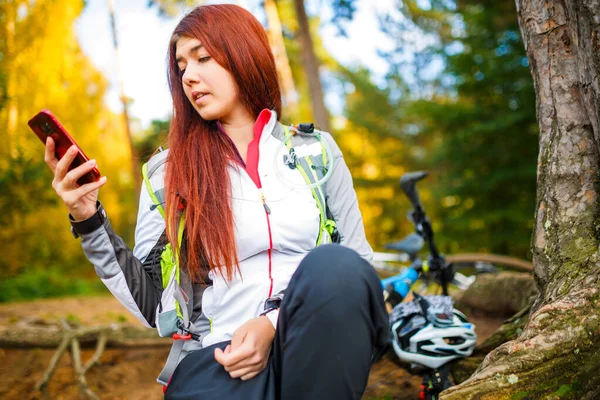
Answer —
420 337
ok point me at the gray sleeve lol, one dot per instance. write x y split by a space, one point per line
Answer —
343 204
134 279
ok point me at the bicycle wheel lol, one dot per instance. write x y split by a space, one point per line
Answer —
477 262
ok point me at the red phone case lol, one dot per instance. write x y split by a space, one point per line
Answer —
45 124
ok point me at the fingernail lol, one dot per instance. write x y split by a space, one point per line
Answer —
92 161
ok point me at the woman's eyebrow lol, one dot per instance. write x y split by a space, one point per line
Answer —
192 51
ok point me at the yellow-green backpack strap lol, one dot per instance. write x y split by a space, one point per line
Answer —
180 230
150 190
330 225
169 261
317 194
305 164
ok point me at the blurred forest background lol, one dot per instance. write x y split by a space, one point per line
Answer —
471 123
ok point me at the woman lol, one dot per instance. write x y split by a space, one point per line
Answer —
270 315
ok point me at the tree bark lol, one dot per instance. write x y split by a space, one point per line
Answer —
557 354
290 95
311 66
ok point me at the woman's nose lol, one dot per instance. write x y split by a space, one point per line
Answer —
190 76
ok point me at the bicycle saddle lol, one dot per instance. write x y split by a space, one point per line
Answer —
411 245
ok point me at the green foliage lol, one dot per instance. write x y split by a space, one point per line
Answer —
24 187
379 156
170 8
39 255
53 281
472 125
488 134
152 138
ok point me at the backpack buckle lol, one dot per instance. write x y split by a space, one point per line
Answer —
177 336
290 159
186 333
306 127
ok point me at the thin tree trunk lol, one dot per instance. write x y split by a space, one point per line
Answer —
286 80
311 66
557 354
11 81
135 162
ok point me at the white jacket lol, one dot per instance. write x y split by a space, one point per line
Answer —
270 245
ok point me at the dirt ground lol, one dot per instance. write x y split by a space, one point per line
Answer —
130 373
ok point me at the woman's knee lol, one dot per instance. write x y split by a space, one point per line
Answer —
335 265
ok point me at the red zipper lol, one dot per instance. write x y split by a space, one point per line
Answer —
267 212
251 168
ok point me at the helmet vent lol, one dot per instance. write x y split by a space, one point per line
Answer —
454 340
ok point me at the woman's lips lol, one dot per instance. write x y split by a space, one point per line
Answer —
201 98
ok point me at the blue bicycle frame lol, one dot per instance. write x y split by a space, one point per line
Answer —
402 282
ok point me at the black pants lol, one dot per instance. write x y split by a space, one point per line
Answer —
331 322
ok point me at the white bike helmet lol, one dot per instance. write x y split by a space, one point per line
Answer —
432 345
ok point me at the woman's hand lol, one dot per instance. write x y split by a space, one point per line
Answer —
81 201
248 353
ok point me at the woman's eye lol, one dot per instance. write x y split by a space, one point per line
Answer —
204 59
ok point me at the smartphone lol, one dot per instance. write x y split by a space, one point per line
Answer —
45 124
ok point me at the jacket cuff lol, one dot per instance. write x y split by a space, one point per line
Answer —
273 316
273 302
89 225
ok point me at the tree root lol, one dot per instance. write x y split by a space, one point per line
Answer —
71 339
101 345
556 356
79 371
42 385
511 328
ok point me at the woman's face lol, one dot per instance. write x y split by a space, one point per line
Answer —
208 86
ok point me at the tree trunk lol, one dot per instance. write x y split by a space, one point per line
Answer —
10 146
557 354
311 66
135 161
290 95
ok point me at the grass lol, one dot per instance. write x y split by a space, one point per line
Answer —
47 283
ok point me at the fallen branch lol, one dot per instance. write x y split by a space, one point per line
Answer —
79 371
26 333
42 334
100 346
43 383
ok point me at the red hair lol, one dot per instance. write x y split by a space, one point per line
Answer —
199 154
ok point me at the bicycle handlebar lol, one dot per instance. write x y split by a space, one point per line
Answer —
408 184
437 263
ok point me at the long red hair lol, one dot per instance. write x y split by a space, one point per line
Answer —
197 176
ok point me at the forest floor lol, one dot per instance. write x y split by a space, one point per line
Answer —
130 373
